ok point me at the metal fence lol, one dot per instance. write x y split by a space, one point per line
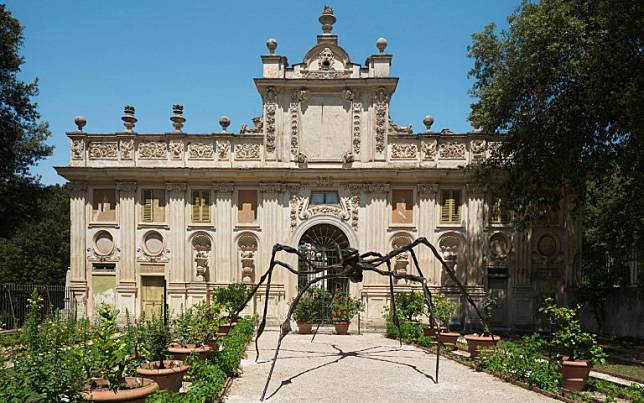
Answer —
13 301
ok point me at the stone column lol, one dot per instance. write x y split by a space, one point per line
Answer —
78 230
178 275
426 228
126 278
223 247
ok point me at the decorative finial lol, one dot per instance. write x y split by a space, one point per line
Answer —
271 44
128 118
177 117
327 19
224 122
80 122
381 44
428 121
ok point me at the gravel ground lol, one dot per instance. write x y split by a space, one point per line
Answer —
363 368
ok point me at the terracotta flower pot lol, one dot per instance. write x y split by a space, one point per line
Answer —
138 390
304 327
429 332
182 351
476 343
168 378
575 374
224 328
449 338
341 327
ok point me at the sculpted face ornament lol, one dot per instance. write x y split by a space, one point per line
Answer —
352 265
326 59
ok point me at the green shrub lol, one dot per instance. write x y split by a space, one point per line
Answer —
344 307
410 305
306 309
409 330
231 298
444 309
522 362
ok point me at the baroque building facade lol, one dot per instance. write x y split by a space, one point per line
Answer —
163 219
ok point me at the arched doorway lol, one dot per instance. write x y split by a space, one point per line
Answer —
318 244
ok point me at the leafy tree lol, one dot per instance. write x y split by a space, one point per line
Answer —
563 84
38 251
22 135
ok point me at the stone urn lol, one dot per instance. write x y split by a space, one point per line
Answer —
476 343
575 374
136 391
169 378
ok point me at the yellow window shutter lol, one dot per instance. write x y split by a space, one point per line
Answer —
196 205
457 206
147 206
205 212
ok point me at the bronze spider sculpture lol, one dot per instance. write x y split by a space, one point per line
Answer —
351 266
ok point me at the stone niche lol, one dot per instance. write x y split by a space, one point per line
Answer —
326 127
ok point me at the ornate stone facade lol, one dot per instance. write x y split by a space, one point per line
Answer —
196 212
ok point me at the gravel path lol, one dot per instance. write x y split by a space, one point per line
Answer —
363 368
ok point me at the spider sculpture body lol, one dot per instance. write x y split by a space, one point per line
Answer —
352 266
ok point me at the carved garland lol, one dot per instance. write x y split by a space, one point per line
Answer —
153 150
103 150
223 150
201 151
381 118
270 127
127 149
429 151
357 114
452 151
404 151
247 152
294 111
176 148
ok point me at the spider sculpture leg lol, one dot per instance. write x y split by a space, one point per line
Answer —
286 326
267 277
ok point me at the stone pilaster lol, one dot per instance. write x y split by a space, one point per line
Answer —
427 207
126 275
179 274
223 248
273 223
475 273
78 270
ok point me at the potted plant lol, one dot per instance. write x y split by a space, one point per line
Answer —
304 313
577 350
108 357
207 321
343 309
188 337
154 339
444 310
230 298
486 340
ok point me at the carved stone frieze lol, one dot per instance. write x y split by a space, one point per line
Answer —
380 101
201 151
451 150
272 187
294 114
78 148
478 147
223 150
270 127
356 108
406 151
429 150
247 152
176 149
223 187
427 190
153 150
326 74
127 149
369 187
103 150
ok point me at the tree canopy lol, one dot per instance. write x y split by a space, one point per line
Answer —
22 134
563 84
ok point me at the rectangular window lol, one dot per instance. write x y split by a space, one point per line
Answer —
104 205
153 205
497 214
246 206
320 197
201 206
450 207
402 206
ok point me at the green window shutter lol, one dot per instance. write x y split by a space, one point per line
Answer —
147 206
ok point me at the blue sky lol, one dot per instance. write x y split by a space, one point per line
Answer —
93 57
